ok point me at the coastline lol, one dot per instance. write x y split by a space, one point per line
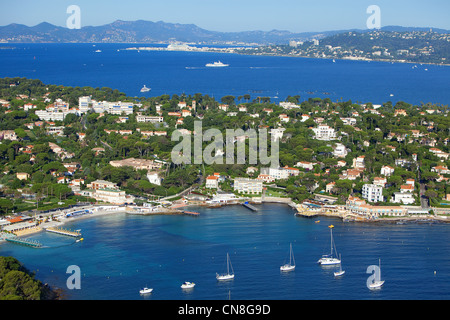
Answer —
177 210
345 59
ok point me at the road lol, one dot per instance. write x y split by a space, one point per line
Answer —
424 203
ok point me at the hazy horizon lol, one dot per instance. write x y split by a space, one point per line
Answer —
295 16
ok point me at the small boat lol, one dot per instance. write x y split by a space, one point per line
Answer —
291 265
145 89
229 275
217 64
146 291
98 50
340 272
377 283
329 259
187 285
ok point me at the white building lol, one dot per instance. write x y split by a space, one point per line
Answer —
153 119
405 198
288 105
276 173
277 133
305 165
53 115
324 132
86 104
372 193
113 196
212 182
247 185
340 150
387 170
358 162
58 130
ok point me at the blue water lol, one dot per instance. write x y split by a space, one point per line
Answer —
185 72
122 253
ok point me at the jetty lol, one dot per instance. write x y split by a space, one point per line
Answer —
191 213
64 232
26 242
249 206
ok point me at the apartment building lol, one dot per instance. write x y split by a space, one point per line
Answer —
324 132
247 185
372 193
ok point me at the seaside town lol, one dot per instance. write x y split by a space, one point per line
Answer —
77 152
410 46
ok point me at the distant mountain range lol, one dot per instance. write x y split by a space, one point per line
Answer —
141 31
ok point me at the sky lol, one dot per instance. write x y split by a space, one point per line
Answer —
234 15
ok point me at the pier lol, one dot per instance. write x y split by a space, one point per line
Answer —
249 206
64 232
26 242
191 213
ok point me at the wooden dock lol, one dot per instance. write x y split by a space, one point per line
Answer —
64 232
249 206
26 242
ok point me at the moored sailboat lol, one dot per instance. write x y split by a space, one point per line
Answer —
377 282
229 275
330 259
291 265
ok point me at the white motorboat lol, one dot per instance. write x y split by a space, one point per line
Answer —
330 259
229 275
187 285
145 89
146 291
291 265
217 64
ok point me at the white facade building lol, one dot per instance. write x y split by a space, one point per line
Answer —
387 170
212 182
405 198
86 104
153 119
340 150
247 185
324 132
372 193
276 173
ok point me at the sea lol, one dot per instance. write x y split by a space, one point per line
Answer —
123 253
178 72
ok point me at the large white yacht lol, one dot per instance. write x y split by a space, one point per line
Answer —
217 64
